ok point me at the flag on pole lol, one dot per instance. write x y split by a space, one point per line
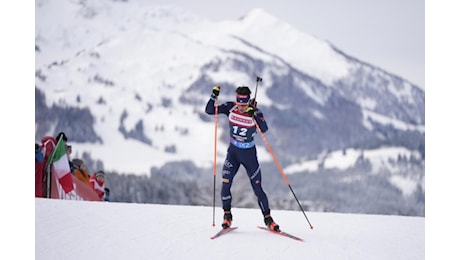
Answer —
61 167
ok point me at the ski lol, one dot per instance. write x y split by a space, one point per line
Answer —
223 231
281 233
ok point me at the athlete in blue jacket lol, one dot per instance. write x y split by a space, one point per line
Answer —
241 150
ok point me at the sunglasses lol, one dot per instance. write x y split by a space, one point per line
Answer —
242 104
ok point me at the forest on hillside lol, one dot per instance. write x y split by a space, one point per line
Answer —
351 191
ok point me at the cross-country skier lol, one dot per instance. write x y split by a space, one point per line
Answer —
241 150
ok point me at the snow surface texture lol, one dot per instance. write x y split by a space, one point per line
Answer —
100 230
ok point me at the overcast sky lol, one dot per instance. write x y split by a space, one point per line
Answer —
388 34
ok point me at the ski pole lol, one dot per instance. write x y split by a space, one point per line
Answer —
257 85
216 117
281 170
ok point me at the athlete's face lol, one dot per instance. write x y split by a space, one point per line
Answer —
242 107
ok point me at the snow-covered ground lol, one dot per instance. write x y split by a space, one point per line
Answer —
100 230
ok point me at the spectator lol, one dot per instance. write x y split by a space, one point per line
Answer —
39 156
107 194
68 149
48 143
63 136
80 171
39 166
97 183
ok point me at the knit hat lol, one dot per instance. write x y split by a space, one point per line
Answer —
243 94
100 173
77 162
64 137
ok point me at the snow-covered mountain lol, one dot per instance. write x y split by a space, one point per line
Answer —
127 81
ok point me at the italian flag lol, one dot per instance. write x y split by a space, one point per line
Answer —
60 164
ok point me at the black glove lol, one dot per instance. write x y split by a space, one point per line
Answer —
215 91
253 102
251 111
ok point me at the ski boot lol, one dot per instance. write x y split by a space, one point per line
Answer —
227 220
270 223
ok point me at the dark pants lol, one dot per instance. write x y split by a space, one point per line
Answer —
248 158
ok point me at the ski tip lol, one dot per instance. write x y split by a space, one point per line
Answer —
223 231
282 233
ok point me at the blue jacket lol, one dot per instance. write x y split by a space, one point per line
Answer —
242 127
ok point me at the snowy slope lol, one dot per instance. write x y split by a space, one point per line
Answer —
98 230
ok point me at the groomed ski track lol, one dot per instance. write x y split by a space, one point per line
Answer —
109 230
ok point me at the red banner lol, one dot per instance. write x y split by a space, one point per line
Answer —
81 191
